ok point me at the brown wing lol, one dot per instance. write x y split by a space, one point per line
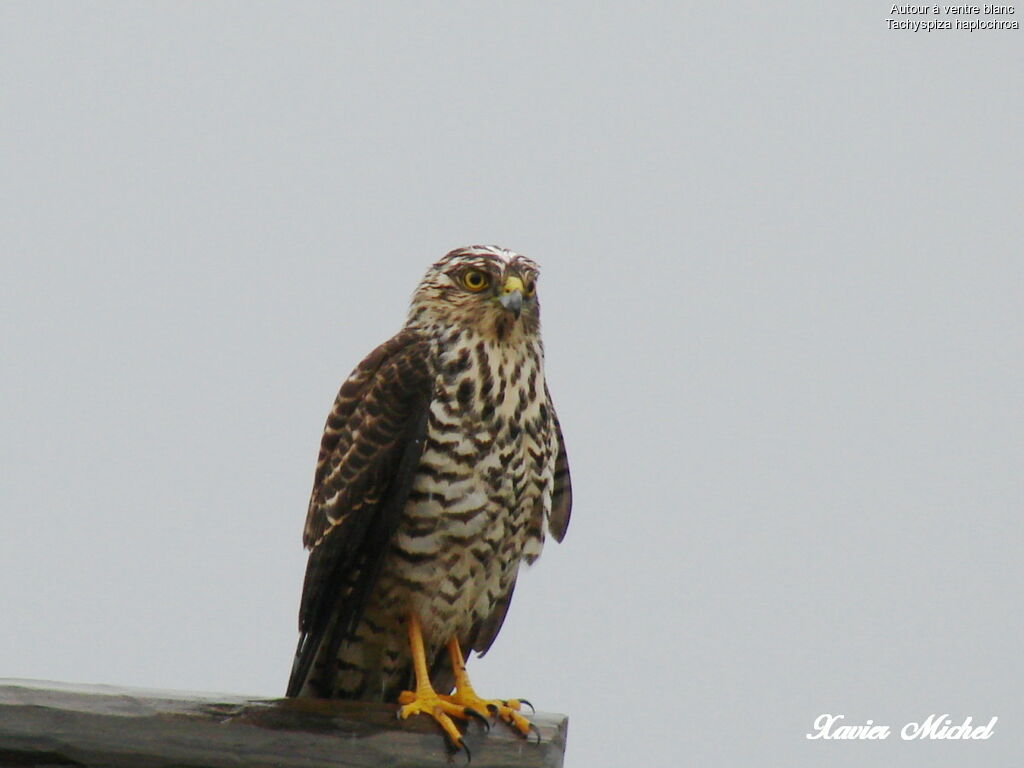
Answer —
368 456
561 495
483 635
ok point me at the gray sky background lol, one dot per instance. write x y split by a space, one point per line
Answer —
782 306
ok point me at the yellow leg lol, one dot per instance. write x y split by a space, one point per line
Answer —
465 698
424 700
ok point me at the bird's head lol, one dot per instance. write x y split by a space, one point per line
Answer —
488 289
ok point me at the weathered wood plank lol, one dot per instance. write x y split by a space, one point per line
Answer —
55 724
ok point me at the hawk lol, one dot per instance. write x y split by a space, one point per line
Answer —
441 468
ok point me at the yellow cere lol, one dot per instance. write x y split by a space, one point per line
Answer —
512 283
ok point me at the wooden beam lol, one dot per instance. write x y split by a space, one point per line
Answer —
56 724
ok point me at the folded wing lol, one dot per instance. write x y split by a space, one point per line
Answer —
369 453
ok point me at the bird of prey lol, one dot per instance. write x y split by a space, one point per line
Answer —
441 468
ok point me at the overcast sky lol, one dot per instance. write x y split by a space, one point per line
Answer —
782 304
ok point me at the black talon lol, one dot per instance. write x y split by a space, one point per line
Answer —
527 703
534 729
454 749
470 712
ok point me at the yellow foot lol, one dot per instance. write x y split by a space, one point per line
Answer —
466 704
507 711
438 707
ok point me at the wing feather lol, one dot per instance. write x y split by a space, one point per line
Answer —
561 494
350 411
484 634
371 447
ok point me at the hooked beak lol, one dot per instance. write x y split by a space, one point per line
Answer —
511 295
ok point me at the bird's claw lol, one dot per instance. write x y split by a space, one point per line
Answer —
470 712
517 704
441 710
454 749
534 729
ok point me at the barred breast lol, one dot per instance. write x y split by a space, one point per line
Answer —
476 509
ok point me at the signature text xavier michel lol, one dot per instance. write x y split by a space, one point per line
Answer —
829 726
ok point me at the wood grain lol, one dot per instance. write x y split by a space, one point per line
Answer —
56 724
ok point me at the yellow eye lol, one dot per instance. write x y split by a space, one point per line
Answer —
474 280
